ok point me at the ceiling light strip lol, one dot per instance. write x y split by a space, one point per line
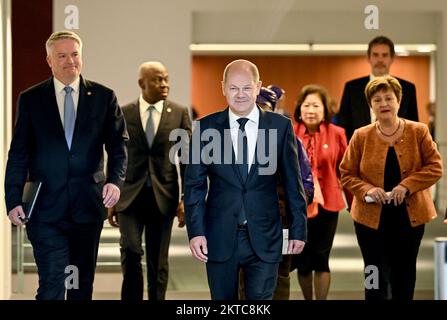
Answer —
234 47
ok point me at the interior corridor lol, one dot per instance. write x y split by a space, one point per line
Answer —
188 277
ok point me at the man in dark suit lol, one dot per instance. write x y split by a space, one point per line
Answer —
62 126
150 198
231 200
354 110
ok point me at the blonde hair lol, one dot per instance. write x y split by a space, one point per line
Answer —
383 83
60 35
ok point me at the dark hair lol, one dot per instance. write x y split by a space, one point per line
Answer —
278 90
382 40
324 96
383 83
267 97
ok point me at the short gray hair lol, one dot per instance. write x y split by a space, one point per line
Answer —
60 35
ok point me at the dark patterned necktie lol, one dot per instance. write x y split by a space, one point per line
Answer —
242 150
242 153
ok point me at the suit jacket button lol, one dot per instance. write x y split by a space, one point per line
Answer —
244 191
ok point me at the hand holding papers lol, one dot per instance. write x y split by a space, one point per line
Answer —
369 199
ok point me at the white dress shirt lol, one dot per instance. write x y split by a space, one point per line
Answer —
251 128
60 95
156 113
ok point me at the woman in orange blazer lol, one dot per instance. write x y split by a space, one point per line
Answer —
325 145
389 167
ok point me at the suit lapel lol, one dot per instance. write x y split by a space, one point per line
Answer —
164 118
84 110
224 124
263 127
363 105
52 110
134 118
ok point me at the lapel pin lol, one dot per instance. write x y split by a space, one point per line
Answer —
89 93
168 109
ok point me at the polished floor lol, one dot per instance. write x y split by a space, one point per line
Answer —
188 277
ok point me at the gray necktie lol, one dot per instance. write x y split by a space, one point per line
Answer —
150 130
69 116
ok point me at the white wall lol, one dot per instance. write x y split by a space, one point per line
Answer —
309 26
5 129
441 103
119 35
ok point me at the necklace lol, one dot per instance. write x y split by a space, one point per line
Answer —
388 135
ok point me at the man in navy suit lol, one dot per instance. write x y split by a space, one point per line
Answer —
62 126
231 200
354 110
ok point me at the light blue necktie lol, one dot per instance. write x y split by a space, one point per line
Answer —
69 116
